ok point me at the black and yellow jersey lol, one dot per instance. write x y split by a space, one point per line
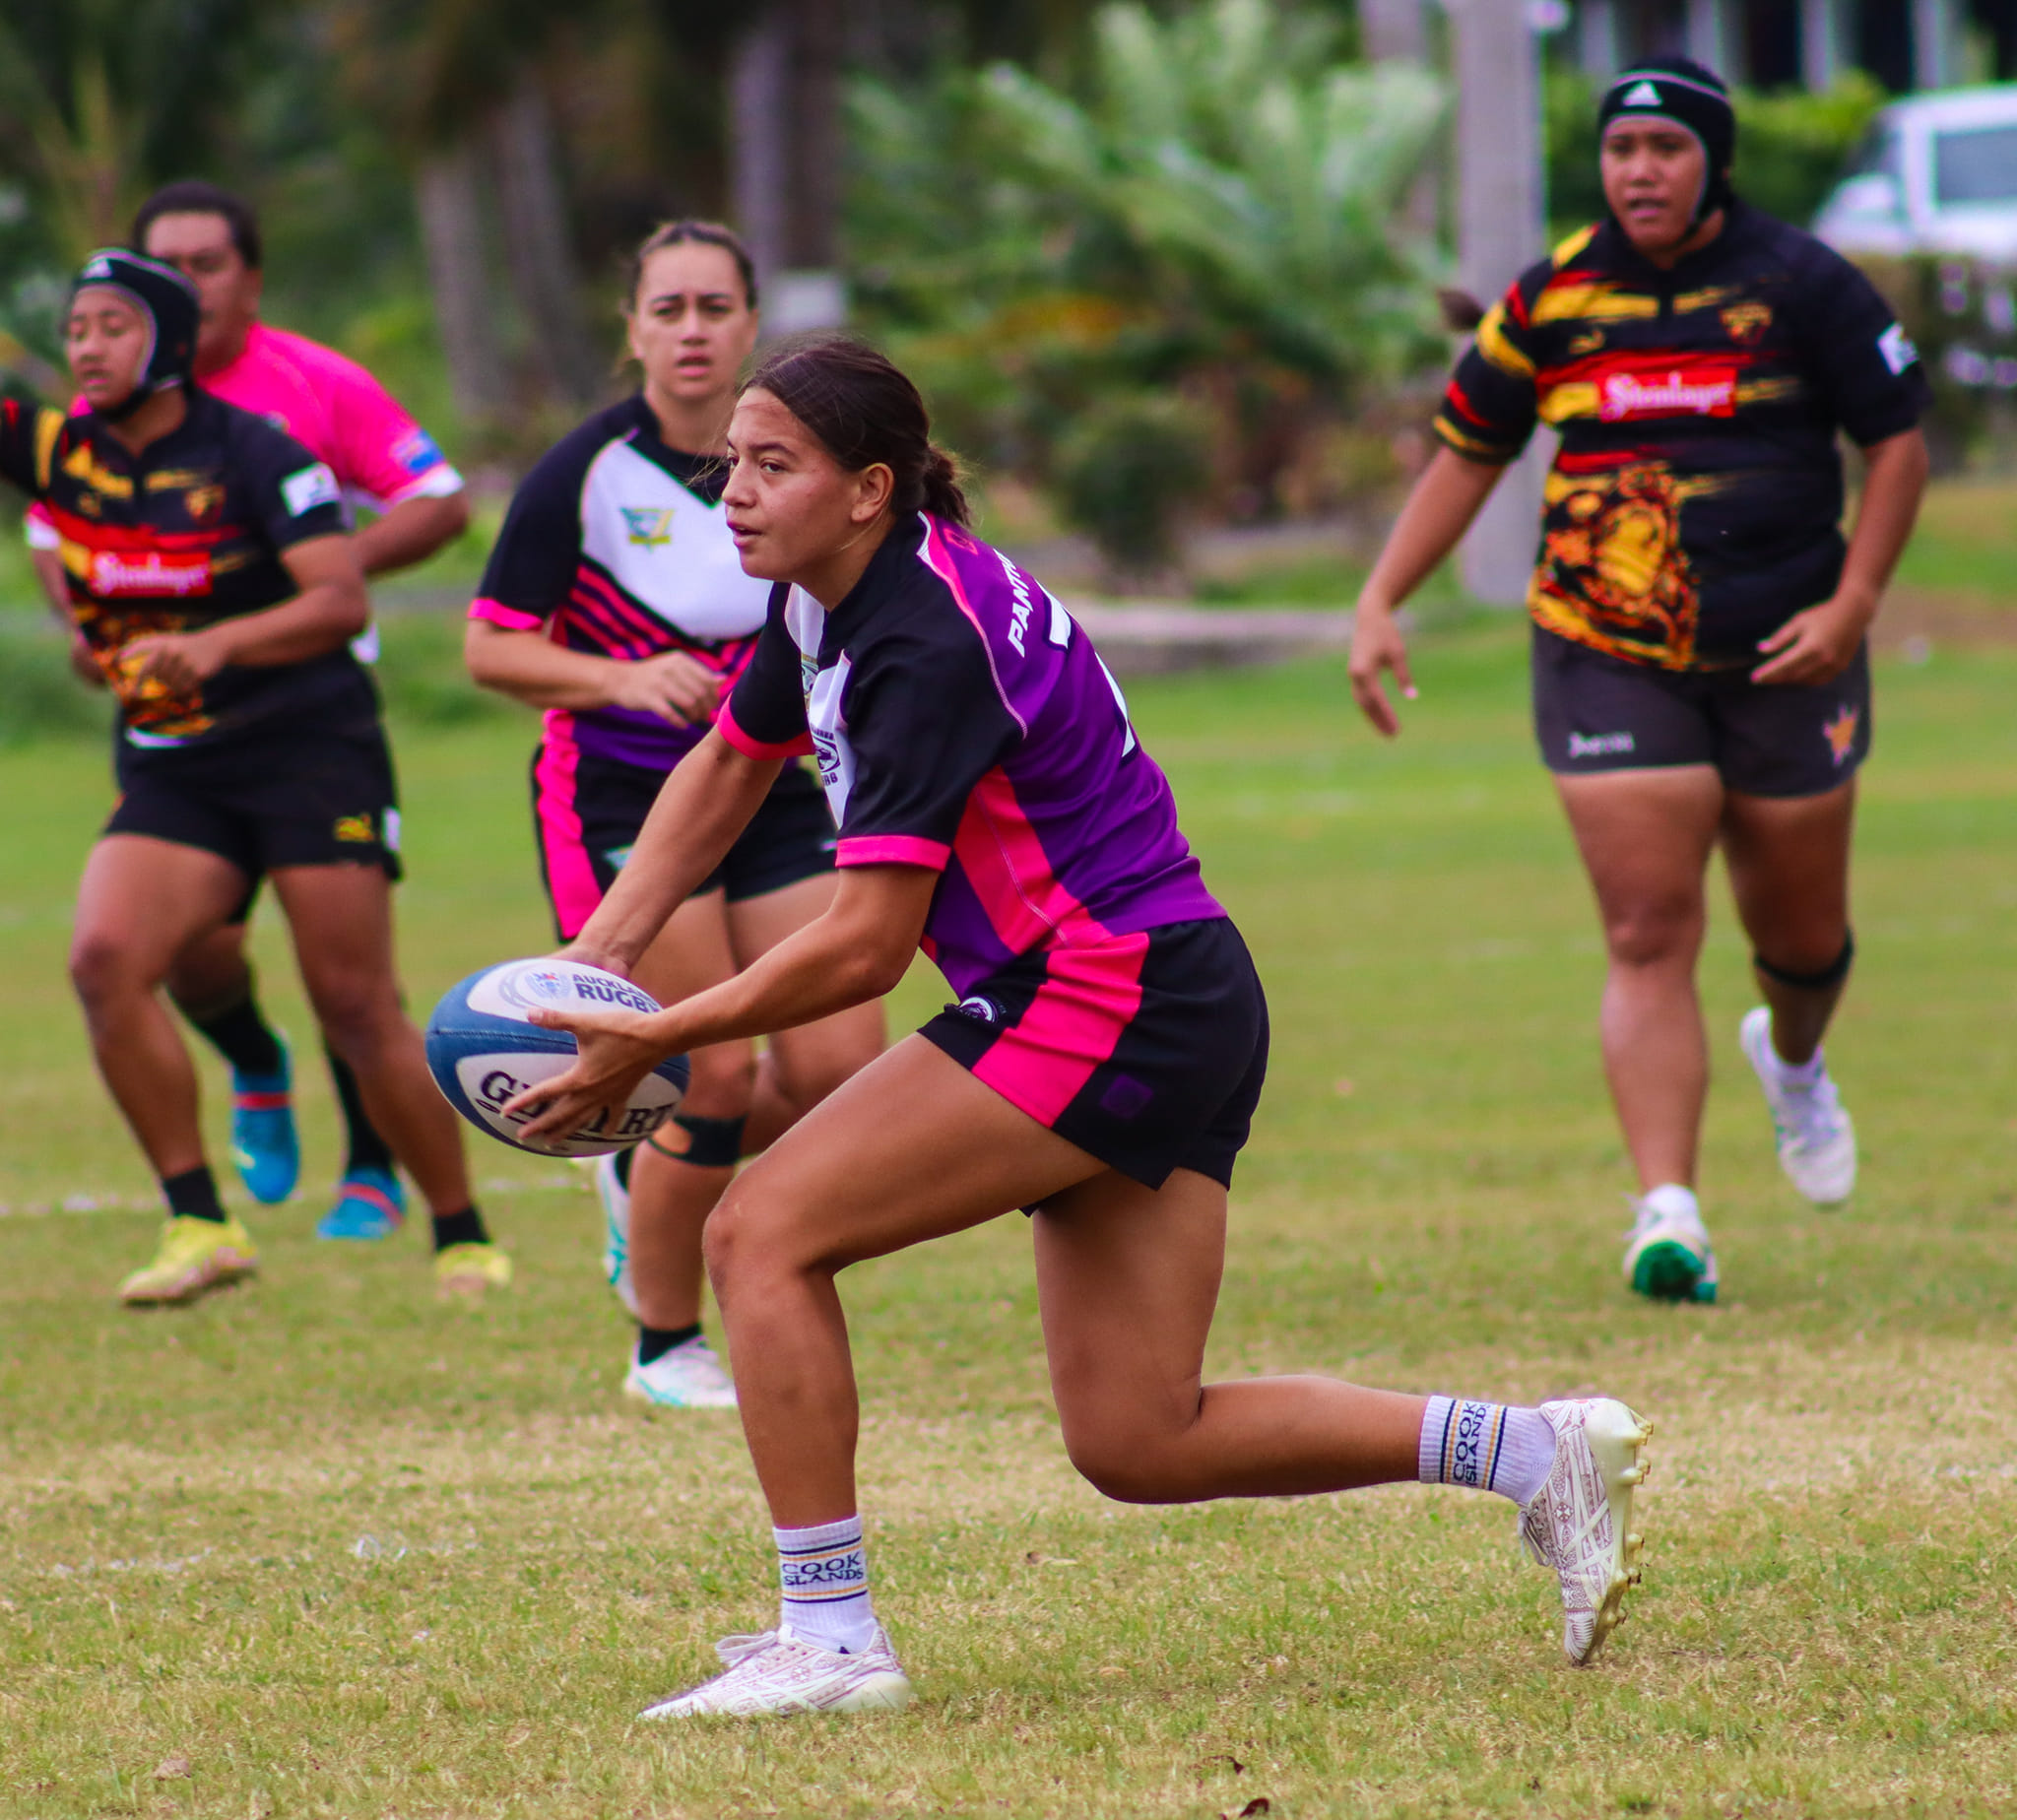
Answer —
1695 504
188 531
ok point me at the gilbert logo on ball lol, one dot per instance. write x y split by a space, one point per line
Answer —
484 1052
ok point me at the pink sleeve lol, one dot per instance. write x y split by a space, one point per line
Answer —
753 748
382 453
511 619
893 850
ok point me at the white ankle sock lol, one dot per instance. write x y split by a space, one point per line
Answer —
1490 1447
1797 1074
1671 1200
825 1572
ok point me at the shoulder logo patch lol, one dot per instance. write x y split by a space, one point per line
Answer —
1897 349
648 526
1641 95
307 487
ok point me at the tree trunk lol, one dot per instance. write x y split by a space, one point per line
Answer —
759 111
539 253
450 202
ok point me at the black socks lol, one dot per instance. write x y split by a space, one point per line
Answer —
243 1038
368 1150
192 1195
655 1342
463 1228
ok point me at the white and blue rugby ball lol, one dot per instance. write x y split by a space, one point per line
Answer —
485 1051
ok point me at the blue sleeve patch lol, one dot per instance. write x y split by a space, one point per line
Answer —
417 452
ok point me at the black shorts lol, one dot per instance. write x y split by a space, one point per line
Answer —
1594 712
1149 1050
587 815
298 798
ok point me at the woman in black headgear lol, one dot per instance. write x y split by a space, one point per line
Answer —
212 578
1700 676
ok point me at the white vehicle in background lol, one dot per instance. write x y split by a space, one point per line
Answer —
1938 173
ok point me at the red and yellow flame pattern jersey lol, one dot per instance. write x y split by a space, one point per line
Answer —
1695 504
188 531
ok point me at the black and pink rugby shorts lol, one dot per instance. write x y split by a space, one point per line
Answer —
1147 1051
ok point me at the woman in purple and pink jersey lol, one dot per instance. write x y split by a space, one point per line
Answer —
1100 1070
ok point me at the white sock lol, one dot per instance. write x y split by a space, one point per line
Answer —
1490 1447
824 1573
1671 1200
1797 1075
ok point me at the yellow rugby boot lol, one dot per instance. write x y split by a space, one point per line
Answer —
470 1271
195 1256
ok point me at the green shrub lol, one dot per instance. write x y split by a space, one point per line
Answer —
1126 468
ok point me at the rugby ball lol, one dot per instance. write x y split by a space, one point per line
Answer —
485 1049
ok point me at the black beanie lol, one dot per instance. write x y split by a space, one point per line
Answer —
169 302
1680 90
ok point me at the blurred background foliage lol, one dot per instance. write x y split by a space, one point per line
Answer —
1150 261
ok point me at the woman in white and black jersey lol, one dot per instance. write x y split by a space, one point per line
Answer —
616 601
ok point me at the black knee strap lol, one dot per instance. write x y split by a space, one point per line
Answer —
711 1143
1836 971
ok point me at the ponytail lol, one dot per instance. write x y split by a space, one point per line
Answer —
864 411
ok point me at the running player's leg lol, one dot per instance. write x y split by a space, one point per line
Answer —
210 984
913 1147
341 921
674 1181
1788 870
140 900
1645 837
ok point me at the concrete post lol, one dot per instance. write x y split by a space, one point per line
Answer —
759 73
1935 37
1392 32
1596 39
1823 55
1501 229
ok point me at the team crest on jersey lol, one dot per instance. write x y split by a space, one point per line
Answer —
202 501
649 526
1589 343
1747 322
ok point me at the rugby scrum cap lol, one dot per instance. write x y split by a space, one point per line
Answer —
1692 98
166 299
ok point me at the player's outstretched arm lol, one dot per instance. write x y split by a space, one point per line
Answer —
1438 512
703 805
330 610
411 531
857 951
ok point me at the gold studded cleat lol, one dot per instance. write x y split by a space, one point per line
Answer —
195 1256
468 1273
1579 1522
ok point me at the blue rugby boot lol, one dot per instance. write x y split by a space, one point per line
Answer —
369 1204
264 1147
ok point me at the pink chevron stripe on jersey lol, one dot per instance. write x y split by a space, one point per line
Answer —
892 850
1073 1025
510 617
1003 859
561 841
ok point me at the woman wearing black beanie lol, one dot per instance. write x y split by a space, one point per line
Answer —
1700 675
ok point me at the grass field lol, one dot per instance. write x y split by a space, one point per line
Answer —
322 1547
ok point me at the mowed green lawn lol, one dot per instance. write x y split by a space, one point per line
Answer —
321 1546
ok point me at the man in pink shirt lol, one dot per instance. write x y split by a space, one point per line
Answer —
386 463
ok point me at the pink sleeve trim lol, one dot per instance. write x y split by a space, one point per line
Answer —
893 850
510 617
753 748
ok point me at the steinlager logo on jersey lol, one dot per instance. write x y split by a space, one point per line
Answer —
649 525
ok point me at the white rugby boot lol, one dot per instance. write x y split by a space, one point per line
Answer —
774 1671
1667 1254
1816 1141
687 1377
615 1199
1579 1522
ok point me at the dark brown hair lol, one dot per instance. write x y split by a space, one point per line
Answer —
864 411
694 234
193 196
